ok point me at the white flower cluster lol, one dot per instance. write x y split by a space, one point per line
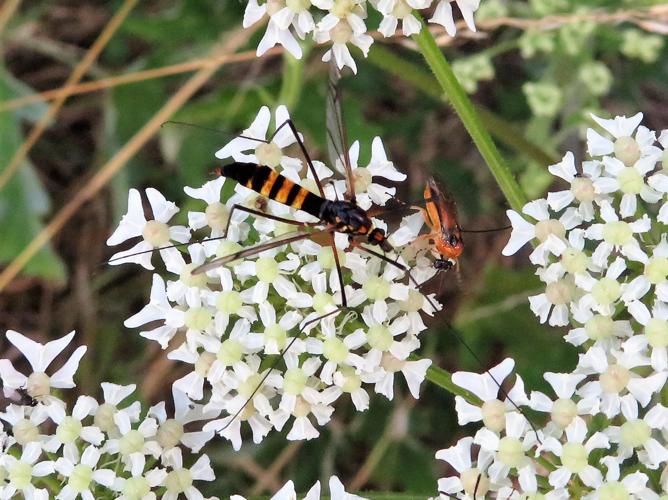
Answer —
342 22
108 449
600 248
232 323
287 492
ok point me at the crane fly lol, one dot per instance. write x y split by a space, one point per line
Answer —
440 216
334 216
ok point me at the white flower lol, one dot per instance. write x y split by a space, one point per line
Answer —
555 302
287 492
155 233
634 437
655 336
601 328
81 472
472 478
20 472
582 189
252 400
140 480
217 214
603 293
380 336
130 441
618 387
630 181
172 432
632 485
550 232
564 409
369 192
625 147
38 384
654 274
510 451
238 343
70 427
158 308
252 146
269 271
275 333
443 14
180 479
486 386
340 32
395 10
108 414
25 422
574 455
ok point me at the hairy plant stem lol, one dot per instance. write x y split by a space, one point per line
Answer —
467 114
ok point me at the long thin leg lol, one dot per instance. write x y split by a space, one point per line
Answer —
275 362
224 236
335 253
258 213
454 332
254 250
307 157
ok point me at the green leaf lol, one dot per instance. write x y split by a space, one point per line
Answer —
23 201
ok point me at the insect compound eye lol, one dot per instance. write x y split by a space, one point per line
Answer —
453 240
444 264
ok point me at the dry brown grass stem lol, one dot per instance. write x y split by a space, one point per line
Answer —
7 11
656 14
79 71
394 431
118 161
272 474
113 81
648 19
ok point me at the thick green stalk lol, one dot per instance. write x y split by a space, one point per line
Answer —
467 114
443 379
293 75
504 132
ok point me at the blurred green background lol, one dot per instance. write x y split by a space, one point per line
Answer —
534 80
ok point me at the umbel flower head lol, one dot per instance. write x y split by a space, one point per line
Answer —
342 23
282 306
599 246
111 447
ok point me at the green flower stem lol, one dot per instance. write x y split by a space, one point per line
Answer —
443 379
292 81
503 131
464 108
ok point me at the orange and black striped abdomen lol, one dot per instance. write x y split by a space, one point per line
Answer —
273 185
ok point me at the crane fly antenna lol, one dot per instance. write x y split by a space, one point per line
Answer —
503 228
274 363
455 333
503 392
213 130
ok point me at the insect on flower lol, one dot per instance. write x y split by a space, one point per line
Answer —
334 216
440 215
21 397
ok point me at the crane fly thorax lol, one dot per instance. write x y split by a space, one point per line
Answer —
346 217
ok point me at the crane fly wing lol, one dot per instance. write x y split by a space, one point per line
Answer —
284 239
445 207
337 144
